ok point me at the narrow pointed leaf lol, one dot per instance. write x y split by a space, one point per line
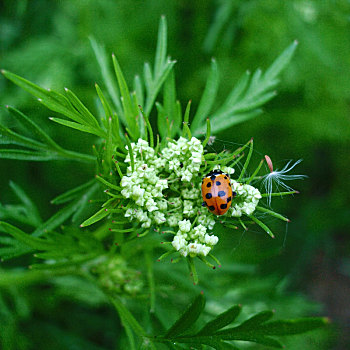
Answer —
281 62
17 139
57 219
101 214
139 90
147 73
73 193
157 84
34 128
169 110
81 108
253 103
28 203
296 326
262 225
83 203
243 102
227 120
254 83
106 106
129 112
80 127
236 93
222 320
188 318
52 100
29 240
109 143
26 155
107 76
256 320
161 47
272 213
208 97
267 341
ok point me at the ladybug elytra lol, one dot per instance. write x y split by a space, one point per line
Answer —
217 192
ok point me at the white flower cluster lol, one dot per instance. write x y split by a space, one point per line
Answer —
193 241
246 200
144 186
226 169
183 157
173 169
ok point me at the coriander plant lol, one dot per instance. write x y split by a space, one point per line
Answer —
147 197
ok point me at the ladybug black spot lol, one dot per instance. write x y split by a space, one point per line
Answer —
208 196
209 184
212 178
211 208
225 178
223 206
218 183
221 193
229 199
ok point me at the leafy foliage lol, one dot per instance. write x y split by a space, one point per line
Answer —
244 100
256 329
88 256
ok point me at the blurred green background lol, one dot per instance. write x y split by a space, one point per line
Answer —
47 42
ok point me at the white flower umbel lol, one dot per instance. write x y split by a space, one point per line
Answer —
183 157
143 185
175 165
246 199
195 241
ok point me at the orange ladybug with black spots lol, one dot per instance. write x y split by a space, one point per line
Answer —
217 192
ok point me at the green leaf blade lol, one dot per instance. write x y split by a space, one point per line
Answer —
107 76
34 128
17 139
222 320
29 240
73 193
296 326
82 109
208 97
281 62
18 154
161 47
80 127
32 210
129 112
187 319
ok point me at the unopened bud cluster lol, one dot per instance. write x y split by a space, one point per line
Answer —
115 275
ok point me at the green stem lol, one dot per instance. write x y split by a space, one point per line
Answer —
272 213
262 225
193 270
127 316
246 163
279 194
76 155
208 134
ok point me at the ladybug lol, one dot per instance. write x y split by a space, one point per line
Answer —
217 192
